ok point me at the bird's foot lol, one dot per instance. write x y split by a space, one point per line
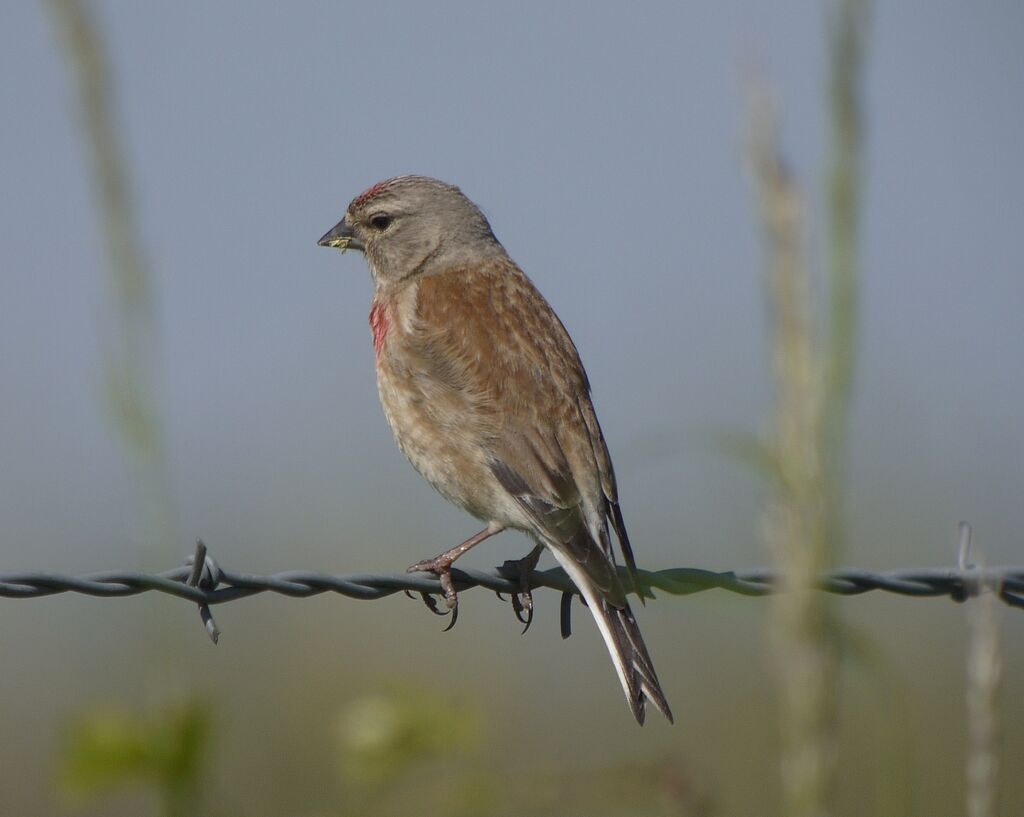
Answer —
440 566
522 600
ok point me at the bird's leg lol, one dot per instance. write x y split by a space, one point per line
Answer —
441 565
522 601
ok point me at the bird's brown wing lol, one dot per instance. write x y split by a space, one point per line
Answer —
494 336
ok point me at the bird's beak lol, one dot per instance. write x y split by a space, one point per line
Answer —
341 237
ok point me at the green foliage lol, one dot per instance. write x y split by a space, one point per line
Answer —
382 735
109 748
400 742
410 749
399 750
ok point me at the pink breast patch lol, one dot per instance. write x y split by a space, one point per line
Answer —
380 323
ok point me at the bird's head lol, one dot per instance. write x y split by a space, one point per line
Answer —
413 225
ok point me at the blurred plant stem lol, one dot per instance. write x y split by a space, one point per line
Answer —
847 33
795 523
984 676
813 386
131 345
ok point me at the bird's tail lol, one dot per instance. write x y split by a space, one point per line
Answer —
622 638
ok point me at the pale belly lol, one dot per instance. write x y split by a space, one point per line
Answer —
446 443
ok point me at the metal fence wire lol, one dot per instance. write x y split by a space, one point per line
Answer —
202 581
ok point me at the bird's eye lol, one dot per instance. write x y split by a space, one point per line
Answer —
381 221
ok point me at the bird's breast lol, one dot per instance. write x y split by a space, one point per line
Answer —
436 428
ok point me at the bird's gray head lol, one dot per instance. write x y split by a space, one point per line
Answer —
412 225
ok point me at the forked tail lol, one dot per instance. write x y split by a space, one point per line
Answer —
624 642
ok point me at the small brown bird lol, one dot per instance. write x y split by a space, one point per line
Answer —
486 396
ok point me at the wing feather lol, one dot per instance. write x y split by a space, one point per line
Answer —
491 334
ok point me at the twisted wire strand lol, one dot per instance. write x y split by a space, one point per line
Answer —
211 584
202 581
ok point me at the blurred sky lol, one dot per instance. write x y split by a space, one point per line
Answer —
606 144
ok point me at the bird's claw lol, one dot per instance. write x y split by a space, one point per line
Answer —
442 568
522 605
431 603
522 599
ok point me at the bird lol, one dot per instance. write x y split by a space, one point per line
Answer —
486 395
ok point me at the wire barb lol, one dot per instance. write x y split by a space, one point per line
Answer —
204 574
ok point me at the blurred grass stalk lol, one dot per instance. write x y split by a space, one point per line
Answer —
132 341
813 385
847 33
795 523
984 674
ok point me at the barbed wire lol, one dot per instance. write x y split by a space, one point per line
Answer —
202 581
